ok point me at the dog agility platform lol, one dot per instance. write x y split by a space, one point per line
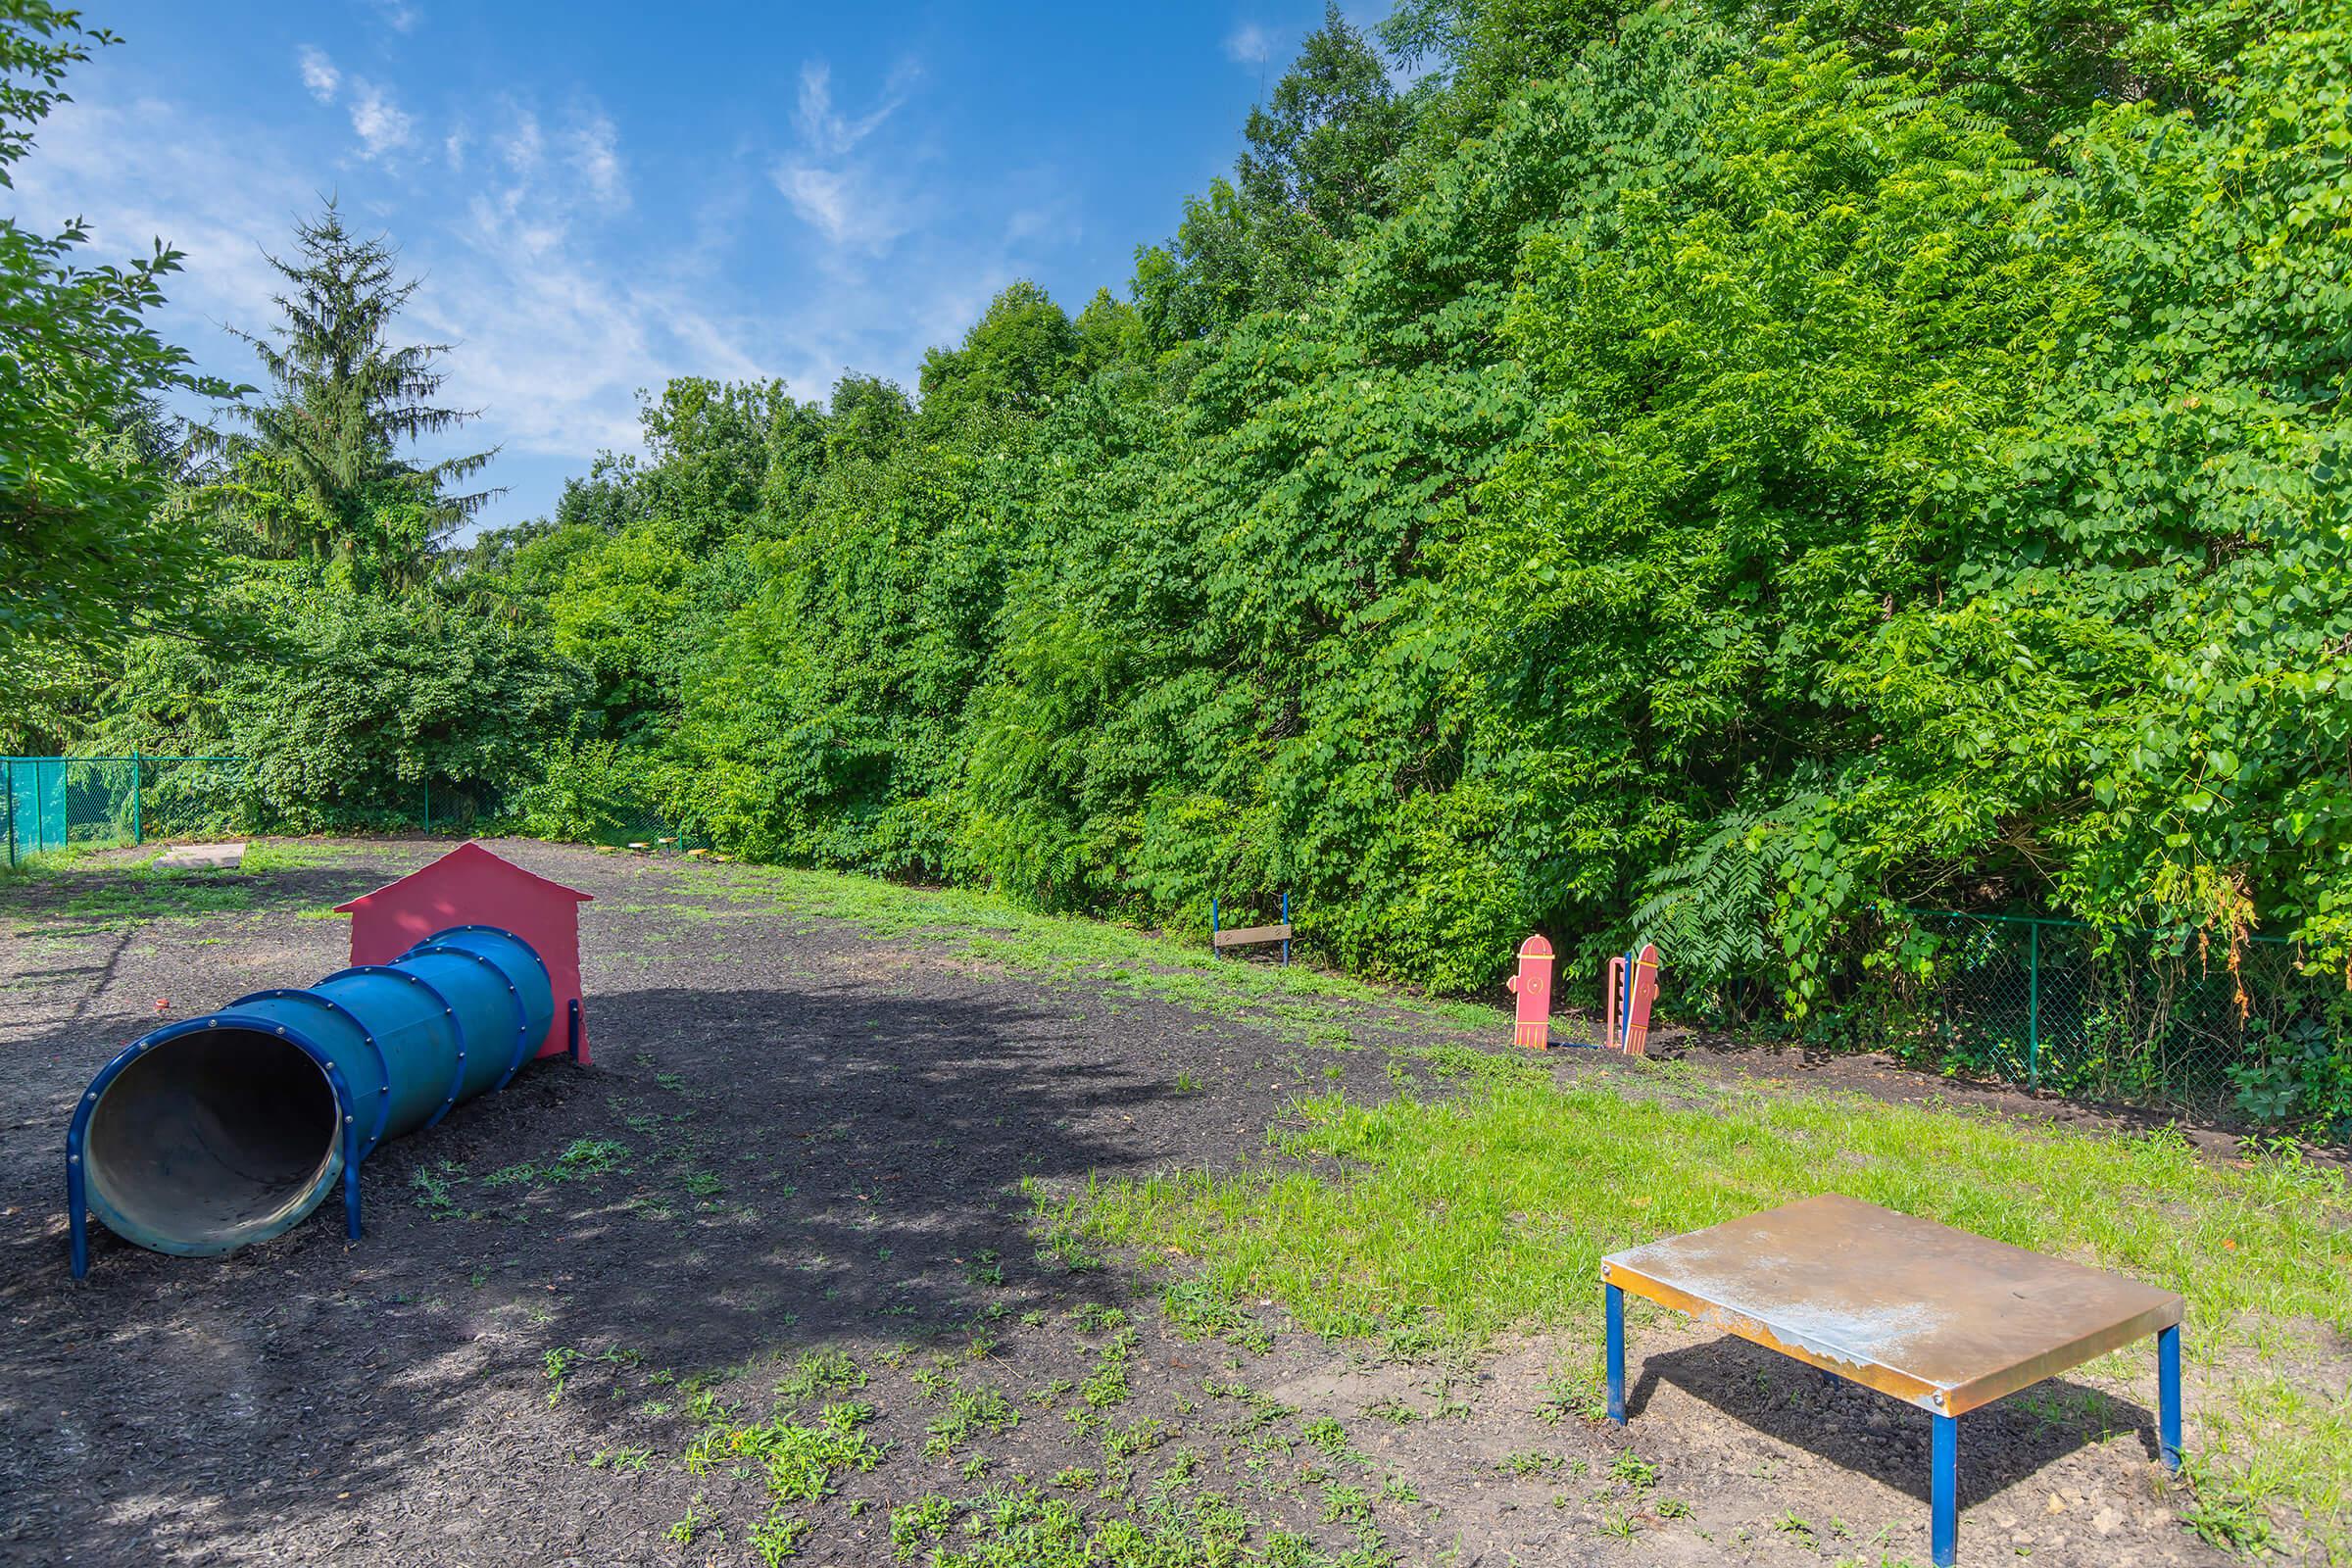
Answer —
1934 1316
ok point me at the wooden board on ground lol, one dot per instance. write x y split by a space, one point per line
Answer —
202 858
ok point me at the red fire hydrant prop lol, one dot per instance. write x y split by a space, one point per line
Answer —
1533 986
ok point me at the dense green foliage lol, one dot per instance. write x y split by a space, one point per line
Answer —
92 539
1737 473
356 684
322 476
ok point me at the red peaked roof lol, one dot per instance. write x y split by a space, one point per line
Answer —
468 859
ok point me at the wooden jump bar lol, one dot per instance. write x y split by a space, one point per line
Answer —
1247 936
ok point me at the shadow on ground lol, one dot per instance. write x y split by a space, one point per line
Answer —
855 1154
1878 1436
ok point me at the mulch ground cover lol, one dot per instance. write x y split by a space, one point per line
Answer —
766 1282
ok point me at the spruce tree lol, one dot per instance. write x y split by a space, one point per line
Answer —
346 402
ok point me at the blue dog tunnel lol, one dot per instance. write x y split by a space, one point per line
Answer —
214 1133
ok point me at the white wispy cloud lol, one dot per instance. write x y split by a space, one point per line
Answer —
552 343
377 119
559 316
139 170
399 15
522 143
1250 45
825 129
318 74
596 156
853 201
843 207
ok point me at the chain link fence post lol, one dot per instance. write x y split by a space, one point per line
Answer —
2034 1005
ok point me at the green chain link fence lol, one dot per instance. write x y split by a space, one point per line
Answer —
2141 1016
62 803
617 820
55 803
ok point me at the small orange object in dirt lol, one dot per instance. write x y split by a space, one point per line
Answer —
161 1003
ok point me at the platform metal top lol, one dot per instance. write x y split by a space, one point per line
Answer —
1936 1316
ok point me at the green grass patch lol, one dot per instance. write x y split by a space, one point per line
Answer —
117 901
820 1372
1292 1000
299 855
1462 1219
107 889
1019 1526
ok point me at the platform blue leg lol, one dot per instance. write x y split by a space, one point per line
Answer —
1614 1299
572 1032
2167 1396
1944 1534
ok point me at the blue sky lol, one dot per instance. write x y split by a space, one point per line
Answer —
601 196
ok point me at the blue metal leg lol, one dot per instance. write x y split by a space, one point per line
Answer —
574 1034
1614 1299
1943 1535
2167 1396
350 1178
77 1210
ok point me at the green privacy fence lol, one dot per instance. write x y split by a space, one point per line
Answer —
55 803
61 803
2139 1016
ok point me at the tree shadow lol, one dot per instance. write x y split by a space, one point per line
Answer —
87 900
829 1164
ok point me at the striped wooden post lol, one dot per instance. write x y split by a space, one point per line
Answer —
1643 991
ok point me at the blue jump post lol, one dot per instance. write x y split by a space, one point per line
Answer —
1625 1002
1286 920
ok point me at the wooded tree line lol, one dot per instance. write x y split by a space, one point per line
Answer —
1730 472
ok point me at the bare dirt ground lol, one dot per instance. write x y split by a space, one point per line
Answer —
800 1139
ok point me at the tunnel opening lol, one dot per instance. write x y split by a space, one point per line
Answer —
212 1141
